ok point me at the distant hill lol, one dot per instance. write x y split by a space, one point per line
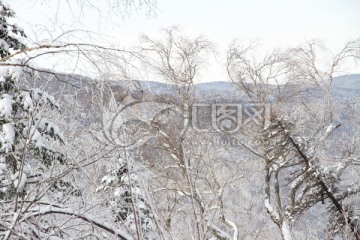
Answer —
349 82
210 91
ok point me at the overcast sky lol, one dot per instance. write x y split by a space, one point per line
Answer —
275 23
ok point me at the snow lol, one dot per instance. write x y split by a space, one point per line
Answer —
4 72
5 5
3 166
6 105
35 135
108 179
4 45
43 97
45 125
7 137
42 210
20 181
54 238
339 166
270 209
17 72
268 206
330 128
297 181
27 100
118 192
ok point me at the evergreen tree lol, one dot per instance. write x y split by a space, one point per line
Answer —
24 132
26 135
9 33
128 200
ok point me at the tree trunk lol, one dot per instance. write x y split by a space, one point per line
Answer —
286 231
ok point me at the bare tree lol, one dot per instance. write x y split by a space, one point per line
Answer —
295 177
190 176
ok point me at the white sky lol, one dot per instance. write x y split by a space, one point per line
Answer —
275 23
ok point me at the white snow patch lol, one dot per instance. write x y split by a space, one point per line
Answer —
6 105
7 137
20 181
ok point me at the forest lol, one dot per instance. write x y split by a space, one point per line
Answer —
111 153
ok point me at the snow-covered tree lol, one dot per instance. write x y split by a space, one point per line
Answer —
296 179
297 156
128 201
26 152
25 133
26 137
33 167
9 33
